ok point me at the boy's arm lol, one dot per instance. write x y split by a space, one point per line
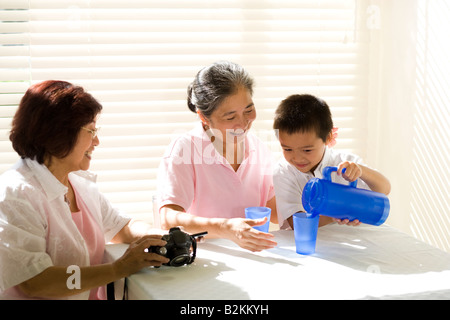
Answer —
374 179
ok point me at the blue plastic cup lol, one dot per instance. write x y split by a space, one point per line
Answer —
305 231
259 213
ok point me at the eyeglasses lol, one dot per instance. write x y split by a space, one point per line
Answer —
93 132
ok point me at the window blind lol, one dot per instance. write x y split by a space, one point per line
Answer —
137 58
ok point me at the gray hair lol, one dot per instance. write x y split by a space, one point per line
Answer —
215 83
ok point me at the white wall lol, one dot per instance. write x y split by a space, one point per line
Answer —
409 114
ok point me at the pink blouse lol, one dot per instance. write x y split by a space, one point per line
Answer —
94 238
196 177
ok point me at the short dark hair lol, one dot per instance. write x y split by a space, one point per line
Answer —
214 83
302 113
49 118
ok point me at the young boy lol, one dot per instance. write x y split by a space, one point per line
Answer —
305 129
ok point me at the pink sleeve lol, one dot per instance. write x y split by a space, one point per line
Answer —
176 182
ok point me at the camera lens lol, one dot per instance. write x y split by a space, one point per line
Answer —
180 260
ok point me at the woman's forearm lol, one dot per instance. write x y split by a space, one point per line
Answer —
134 230
55 282
65 281
173 216
238 230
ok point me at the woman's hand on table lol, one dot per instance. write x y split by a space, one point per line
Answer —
240 231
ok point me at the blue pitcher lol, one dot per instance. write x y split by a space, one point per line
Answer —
322 196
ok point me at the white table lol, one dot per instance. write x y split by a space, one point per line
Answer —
350 263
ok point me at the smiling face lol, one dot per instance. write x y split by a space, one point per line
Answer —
233 117
79 157
304 150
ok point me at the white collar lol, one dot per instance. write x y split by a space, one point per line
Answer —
52 187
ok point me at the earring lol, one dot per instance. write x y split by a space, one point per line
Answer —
205 126
209 132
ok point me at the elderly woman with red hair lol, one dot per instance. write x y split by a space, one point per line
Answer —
53 219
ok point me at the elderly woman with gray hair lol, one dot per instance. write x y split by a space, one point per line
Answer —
209 175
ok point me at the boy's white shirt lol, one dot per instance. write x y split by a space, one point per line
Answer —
289 182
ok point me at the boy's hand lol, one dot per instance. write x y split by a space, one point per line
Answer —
353 171
353 223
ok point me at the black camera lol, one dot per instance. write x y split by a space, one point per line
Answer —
178 247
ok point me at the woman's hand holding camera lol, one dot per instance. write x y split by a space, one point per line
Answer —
136 257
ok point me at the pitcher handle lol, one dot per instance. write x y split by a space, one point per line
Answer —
327 175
